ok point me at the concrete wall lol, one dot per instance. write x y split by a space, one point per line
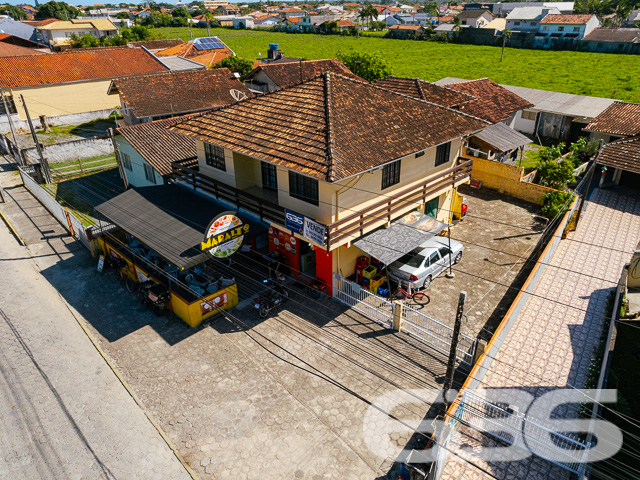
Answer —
135 176
64 99
507 179
524 125
75 119
69 151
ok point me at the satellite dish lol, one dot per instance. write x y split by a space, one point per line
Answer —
237 94
260 53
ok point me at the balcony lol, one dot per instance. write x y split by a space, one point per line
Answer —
264 204
357 224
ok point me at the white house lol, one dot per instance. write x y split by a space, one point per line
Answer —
243 22
527 19
505 8
59 33
568 26
475 18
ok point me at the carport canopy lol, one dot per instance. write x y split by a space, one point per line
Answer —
169 219
388 244
501 138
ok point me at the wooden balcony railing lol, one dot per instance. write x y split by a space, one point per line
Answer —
354 225
268 211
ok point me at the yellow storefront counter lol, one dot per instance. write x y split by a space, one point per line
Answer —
195 312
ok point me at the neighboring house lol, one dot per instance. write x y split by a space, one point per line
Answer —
275 76
498 24
59 33
622 158
73 82
229 9
493 103
497 142
620 120
146 98
527 19
556 115
405 31
205 50
503 9
291 12
612 40
567 26
11 50
266 21
21 29
391 11
404 154
213 4
340 24
240 23
475 18
423 90
145 152
296 24
9 39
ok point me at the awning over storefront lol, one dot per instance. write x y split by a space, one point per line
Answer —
501 138
402 236
168 219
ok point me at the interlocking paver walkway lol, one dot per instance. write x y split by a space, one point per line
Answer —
63 412
551 343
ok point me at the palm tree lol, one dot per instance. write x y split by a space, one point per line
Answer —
208 17
506 35
367 13
622 11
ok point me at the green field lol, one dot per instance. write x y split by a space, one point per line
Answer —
597 74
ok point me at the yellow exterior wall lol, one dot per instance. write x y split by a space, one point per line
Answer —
64 99
507 179
344 260
192 314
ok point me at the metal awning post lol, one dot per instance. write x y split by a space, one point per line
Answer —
450 274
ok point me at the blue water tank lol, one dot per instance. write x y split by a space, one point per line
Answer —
273 46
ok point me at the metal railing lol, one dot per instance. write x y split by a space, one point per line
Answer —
436 334
362 300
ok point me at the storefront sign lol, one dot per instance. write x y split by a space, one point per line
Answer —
218 301
294 221
314 231
225 235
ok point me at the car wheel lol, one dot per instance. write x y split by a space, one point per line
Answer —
132 286
427 282
457 259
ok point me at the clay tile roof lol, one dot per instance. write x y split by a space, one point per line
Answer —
614 35
10 50
620 118
345 23
472 14
159 146
288 74
623 154
494 103
418 88
178 92
189 50
158 44
330 127
76 66
41 23
295 19
566 18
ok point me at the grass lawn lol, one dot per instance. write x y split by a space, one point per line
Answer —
597 74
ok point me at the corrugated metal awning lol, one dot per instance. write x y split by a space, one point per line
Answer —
501 137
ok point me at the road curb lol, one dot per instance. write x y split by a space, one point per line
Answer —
13 230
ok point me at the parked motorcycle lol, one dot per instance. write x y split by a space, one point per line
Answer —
154 296
274 296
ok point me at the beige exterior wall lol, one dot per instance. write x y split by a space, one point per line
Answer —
64 99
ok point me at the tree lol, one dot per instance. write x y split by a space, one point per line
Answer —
506 35
236 64
122 15
14 12
83 41
556 174
180 12
368 13
456 24
370 66
432 8
59 10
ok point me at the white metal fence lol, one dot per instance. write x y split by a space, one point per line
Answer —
67 218
562 449
362 300
436 334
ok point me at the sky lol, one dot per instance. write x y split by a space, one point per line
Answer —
91 2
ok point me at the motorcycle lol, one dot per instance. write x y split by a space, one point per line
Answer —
154 296
273 297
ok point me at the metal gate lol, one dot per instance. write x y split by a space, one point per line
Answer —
362 300
436 334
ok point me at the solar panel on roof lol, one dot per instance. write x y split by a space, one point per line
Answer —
208 43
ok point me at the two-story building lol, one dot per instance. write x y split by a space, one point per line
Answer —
475 18
59 33
527 19
566 27
329 161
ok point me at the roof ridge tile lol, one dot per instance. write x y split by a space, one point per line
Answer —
331 170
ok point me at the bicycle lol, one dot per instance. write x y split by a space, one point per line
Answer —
420 298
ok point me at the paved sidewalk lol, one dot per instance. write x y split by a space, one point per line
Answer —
65 414
550 345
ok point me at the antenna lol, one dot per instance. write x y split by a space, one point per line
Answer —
237 94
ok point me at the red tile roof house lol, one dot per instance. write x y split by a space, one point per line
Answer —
619 120
72 84
301 147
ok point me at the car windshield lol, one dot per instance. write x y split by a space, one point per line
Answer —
412 259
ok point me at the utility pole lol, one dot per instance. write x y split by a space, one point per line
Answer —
44 165
448 380
16 153
586 191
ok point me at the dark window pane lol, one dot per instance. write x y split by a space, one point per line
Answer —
442 153
214 156
391 174
303 188
269 176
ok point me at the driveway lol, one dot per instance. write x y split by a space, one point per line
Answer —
499 233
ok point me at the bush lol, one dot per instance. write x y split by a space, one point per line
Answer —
370 66
583 150
236 64
554 204
555 174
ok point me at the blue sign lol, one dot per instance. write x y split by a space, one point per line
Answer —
294 221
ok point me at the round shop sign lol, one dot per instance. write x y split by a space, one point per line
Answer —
276 242
293 240
287 247
224 235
